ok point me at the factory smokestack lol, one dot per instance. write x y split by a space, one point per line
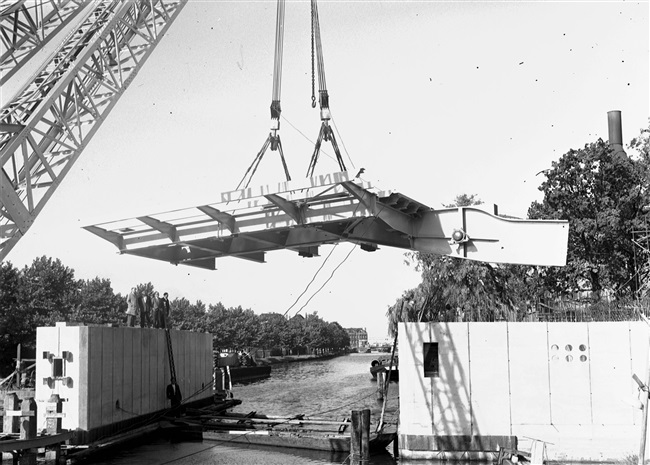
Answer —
615 130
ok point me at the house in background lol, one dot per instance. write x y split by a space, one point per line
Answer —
358 337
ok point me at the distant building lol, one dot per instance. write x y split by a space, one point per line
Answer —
358 337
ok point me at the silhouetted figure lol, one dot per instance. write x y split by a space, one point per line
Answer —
132 304
155 303
142 308
164 314
175 397
147 308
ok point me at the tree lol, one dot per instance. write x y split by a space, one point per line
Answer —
97 303
272 327
339 337
187 316
14 327
232 328
453 289
294 335
315 331
602 194
641 145
244 325
49 291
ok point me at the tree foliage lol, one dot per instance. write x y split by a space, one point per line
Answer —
15 324
47 292
453 289
96 303
602 193
187 316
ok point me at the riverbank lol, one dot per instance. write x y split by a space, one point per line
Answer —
294 358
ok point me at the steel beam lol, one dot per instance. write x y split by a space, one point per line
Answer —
297 211
168 229
304 218
224 218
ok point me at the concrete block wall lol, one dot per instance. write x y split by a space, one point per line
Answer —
113 375
568 384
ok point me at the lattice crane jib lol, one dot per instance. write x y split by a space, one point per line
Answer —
27 26
44 129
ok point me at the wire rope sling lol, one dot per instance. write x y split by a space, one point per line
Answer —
325 134
273 139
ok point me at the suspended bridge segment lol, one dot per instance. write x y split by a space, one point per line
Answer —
303 215
44 129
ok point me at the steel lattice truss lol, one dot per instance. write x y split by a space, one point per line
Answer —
26 26
46 127
641 240
303 215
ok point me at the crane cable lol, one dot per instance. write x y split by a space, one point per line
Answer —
326 132
277 61
317 51
273 139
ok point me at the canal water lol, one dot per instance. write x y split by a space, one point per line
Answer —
325 388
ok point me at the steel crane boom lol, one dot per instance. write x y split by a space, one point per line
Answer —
44 129
25 27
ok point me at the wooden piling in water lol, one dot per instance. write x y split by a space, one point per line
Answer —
360 437
380 385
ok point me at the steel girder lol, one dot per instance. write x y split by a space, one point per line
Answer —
25 27
329 209
46 127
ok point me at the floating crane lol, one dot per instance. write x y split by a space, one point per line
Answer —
46 126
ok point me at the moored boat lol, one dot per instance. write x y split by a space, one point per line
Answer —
243 374
239 368
391 371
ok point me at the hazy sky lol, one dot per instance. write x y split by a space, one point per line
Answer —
433 99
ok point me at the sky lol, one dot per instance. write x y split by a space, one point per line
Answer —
433 98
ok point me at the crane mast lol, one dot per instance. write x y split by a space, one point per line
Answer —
25 27
44 129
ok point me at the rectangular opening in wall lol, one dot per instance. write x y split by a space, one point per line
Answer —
431 364
57 367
